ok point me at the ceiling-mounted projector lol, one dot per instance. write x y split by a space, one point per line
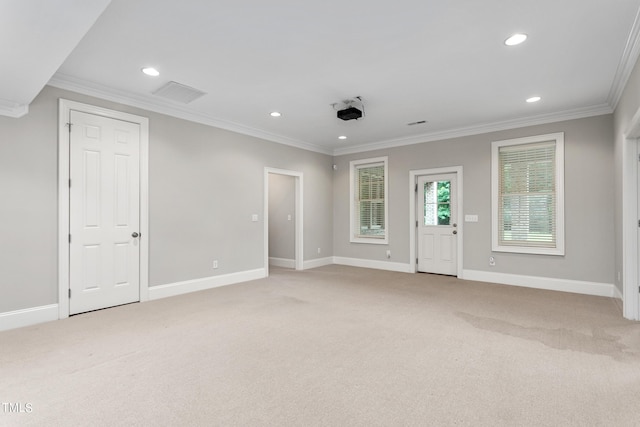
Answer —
351 113
350 109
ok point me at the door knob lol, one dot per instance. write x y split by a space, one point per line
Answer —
455 232
134 234
455 225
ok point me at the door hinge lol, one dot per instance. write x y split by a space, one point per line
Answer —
69 292
69 124
416 224
69 238
69 183
416 190
416 260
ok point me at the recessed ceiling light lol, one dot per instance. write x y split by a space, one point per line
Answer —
275 114
342 137
515 39
533 99
150 71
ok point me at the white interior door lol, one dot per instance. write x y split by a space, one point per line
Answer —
104 220
437 224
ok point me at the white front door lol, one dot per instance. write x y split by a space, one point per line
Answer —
437 224
104 221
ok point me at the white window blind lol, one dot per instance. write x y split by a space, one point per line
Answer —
528 195
527 209
369 200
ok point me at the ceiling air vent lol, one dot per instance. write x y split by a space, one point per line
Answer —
179 92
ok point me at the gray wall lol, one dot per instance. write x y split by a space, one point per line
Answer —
627 106
588 201
204 185
281 206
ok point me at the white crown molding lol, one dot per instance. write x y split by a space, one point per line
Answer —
627 62
11 109
149 103
63 81
578 113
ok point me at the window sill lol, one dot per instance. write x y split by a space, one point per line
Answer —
371 240
529 250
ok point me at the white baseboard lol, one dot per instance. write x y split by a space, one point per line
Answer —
378 265
179 288
318 262
548 283
616 293
282 262
28 316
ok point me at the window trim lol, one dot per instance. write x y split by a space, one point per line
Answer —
559 179
354 216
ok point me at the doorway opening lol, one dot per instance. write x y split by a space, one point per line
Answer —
283 219
435 220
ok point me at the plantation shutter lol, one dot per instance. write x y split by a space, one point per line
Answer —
527 211
370 200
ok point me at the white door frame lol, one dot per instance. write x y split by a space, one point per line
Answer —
298 216
413 175
630 216
64 108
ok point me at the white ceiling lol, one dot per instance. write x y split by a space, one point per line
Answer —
409 60
36 36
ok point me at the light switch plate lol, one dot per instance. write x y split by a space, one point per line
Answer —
254 217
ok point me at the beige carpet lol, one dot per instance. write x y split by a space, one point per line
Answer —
333 346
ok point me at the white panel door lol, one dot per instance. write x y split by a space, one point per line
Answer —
437 224
104 253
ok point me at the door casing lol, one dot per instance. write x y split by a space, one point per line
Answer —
64 108
413 174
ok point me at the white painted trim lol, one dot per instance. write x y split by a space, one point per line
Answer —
560 116
548 283
559 180
318 262
627 62
377 265
28 316
150 103
282 262
413 176
11 109
617 294
630 215
298 216
188 286
352 198
64 108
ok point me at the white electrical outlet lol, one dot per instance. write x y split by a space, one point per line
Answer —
492 261
318 250
215 263
388 253
288 217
